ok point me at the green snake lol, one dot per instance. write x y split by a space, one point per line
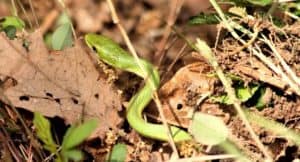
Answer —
112 54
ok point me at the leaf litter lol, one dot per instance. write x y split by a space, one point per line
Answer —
63 84
285 110
282 104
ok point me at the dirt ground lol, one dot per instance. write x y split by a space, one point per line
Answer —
185 76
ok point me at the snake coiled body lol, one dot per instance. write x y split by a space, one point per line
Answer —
112 54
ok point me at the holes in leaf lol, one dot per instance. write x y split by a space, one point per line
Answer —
57 100
179 106
49 94
96 96
24 98
75 101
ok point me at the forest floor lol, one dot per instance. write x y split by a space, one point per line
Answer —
71 85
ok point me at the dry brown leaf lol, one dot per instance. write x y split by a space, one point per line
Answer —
252 67
63 83
179 95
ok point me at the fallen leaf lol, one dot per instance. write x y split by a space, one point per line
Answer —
63 83
180 94
208 129
257 70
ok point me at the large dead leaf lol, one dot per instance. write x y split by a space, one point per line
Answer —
180 94
63 83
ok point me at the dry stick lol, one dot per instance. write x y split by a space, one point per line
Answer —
283 63
48 21
276 69
10 145
175 9
230 90
251 41
51 156
155 95
206 158
33 13
14 8
25 13
292 15
179 54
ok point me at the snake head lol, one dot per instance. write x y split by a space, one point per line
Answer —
107 50
92 41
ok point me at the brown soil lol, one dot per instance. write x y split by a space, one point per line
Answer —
184 78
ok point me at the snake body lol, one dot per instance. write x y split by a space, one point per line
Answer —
112 54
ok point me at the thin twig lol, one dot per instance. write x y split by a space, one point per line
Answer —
206 158
48 21
292 15
33 13
251 41
179 54
25 13
155 95
282 62
174 10
14 8
51 156
10 145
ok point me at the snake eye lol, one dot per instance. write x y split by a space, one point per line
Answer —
94 49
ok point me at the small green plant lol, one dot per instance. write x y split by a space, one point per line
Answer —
244 94
118 153
208 129
75 135
62 36
204 19
10 25
252 2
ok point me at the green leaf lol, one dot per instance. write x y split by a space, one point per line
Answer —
261 103
208 129
245 93
260 2
43 130
63 19
26 43
75 155
48 40
10 25
273 126
10 32
246 3
76 135
223 99
62 37
203 18
118 153
12 21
